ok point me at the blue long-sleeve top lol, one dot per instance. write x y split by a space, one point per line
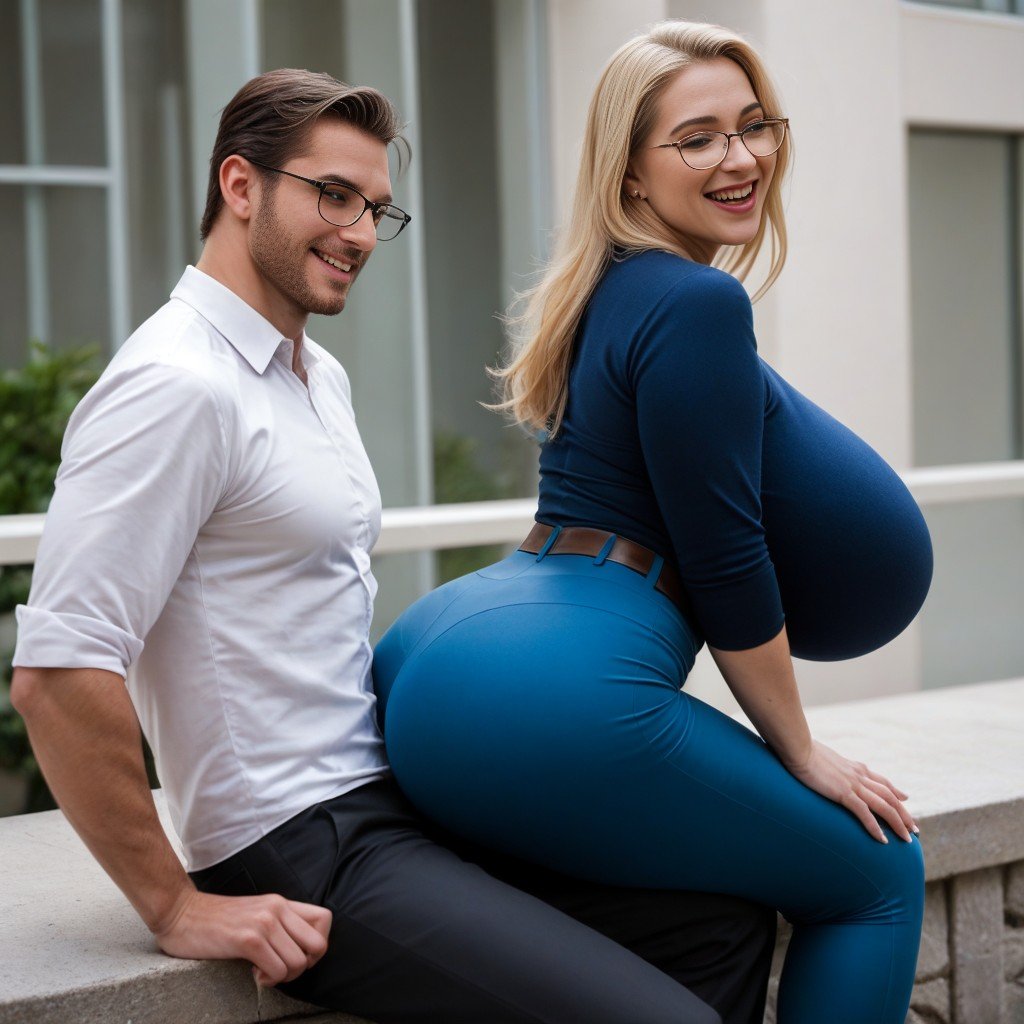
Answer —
679 436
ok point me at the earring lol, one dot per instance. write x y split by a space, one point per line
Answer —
636 193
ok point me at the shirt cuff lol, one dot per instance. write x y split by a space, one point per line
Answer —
740 614
64 640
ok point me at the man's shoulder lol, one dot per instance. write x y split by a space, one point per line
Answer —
177 338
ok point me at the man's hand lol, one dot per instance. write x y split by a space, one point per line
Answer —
279 937
86 738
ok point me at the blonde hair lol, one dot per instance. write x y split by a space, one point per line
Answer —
534 384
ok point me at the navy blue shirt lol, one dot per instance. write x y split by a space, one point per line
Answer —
679 436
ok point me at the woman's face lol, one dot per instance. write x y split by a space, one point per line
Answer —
712 95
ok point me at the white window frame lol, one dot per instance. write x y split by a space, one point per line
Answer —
36 174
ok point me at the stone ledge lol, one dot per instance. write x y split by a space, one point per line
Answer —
72 949
958 752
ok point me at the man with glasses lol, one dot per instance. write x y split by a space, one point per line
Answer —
211 529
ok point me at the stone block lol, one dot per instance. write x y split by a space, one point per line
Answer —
217 993
1015 894
1013 954
930 1002
276 1006
1014 1008
976 924
933 958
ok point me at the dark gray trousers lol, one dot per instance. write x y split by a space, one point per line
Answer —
429 929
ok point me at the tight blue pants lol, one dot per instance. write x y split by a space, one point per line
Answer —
536 707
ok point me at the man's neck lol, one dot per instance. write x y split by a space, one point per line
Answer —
242 277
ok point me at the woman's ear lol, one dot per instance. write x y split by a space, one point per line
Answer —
631 185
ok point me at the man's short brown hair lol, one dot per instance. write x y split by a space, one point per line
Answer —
270 117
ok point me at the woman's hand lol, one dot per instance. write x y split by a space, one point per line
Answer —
857 788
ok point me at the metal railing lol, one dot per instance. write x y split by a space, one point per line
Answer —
435 527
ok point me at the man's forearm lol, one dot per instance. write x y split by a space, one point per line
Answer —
87 741
764 684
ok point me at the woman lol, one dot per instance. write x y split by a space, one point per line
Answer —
688 494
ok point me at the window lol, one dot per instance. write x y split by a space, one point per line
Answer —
968 352
92 157
997 6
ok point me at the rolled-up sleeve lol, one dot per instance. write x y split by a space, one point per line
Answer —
143 466
700 397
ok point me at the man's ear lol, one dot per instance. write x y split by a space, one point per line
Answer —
237 185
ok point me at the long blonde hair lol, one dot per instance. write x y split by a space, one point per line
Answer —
534 384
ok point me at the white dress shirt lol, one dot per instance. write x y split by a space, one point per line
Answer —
209 538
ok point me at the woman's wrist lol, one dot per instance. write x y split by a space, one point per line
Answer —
797 758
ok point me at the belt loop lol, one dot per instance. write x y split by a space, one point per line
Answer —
655 570
606 550
552 537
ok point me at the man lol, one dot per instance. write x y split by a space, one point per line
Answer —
211 527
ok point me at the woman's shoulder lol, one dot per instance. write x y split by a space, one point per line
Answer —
657 278
665 313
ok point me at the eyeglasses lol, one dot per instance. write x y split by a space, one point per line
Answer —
342 205
704 150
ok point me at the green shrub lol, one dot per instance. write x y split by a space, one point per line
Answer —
35 404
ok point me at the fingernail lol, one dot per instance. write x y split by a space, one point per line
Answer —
884 840
917 831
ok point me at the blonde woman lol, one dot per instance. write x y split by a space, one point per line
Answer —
688 495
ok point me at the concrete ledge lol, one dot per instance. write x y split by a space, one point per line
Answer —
958 752
72 949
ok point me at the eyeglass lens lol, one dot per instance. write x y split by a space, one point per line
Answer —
708 149
342 206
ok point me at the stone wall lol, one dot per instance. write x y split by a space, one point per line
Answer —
970 969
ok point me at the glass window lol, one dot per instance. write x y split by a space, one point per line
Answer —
163 228
14 279
12 124
71 76
966 259
964 297
51 80
998 6
77 265
57 238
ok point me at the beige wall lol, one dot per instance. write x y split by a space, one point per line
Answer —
854 75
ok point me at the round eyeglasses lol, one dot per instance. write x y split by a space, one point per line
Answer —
704 150
342 205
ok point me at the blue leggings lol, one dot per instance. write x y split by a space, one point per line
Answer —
536 707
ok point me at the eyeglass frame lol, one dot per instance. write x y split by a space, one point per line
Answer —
729 136
322 186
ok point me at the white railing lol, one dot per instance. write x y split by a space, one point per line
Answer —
434 527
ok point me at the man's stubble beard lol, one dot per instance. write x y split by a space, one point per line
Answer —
286 270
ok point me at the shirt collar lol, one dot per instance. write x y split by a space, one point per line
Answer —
253 336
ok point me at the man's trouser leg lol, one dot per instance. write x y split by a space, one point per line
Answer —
421 935
720 947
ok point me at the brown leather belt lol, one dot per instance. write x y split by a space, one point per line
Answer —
584 540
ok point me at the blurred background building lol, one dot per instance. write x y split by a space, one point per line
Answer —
900 310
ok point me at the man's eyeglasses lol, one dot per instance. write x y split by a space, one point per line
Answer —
342 205
704 150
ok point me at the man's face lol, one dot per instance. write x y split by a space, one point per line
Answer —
288 239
